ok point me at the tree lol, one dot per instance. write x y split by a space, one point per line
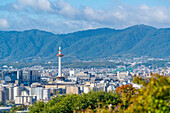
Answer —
153 97
2 104
18 108
77 103
37 107
127 92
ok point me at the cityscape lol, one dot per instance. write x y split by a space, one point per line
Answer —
84 56
32 84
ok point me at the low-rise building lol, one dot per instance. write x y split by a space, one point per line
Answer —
26 100
73 90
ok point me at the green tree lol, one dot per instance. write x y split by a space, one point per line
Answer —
76 103
38 107
153 97
2 104
18 108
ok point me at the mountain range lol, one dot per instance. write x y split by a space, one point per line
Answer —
103 43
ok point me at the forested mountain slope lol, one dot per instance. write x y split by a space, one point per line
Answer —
37 45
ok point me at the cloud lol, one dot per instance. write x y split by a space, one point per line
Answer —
62 17
120 15
43 5
65 9
3 23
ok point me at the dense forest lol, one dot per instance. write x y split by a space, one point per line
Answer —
104 43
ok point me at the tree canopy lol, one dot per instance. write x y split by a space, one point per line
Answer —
74 102
153 96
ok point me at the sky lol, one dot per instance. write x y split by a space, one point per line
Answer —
66 16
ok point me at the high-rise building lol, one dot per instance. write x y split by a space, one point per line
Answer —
40 92
19 76
2 96
27 77
46 94
11 93
9 90
18 90
26 100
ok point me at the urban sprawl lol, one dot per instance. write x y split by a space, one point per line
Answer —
29 85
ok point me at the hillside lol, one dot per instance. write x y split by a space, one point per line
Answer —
37 45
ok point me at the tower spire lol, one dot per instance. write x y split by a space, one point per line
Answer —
59 55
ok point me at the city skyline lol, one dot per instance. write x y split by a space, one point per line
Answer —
116 56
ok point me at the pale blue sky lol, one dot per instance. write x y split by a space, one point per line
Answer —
64 16
106 3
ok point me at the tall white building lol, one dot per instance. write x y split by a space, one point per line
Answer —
26 100
46 94
41 93
18 90
10 93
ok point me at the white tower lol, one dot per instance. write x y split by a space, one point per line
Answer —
59 55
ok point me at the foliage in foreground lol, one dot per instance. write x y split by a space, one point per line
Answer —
16 108
127 92
73 102
152 97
